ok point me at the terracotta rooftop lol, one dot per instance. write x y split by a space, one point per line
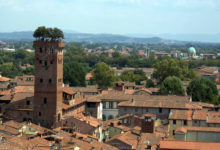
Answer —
145 90
153 89
87 119
148 139
174 102
16 97
213 117
40 129
185 129
187 145
4 79
206 70
181 114
9 130
88 76
128 138
13 124
19 89
204 105
68 91
200 114
88 88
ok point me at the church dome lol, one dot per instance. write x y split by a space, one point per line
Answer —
192 50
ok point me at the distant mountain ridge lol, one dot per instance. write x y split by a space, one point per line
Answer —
106 38
211 38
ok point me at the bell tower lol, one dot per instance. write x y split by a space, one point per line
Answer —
47 103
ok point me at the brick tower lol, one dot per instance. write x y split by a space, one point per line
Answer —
48 82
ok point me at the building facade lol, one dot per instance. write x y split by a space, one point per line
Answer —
48 82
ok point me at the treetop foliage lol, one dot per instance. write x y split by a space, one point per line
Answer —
203 89
172 67
42 33
103 75
172 85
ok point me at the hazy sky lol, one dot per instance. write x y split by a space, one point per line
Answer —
113 16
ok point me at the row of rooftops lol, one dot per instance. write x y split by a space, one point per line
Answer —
202 115
45 139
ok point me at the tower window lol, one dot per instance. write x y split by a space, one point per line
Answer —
45 100
50 81
51 62
40 61
185 122
160 110
59 117
39 113
40 50
27 102
41 80
45 63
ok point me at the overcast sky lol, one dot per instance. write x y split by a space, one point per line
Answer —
113 16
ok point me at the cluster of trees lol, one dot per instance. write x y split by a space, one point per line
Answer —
172 67
203 89
133 76
11 62
42 33
171 72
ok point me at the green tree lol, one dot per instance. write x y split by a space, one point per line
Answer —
10 70
53 33
172 67
133 76
116 54
149 83
203 89
74 74
29 70
103 75
172 85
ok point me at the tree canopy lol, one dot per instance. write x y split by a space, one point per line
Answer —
172 85
103 75
42 33
74 74
172 67
203 89
133 76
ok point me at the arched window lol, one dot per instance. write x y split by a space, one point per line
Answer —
110 117
103 117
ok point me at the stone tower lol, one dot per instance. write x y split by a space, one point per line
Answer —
48 82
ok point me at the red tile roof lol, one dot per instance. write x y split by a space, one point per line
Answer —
181 114
4 79
187 145
185 129
68 91
128 137
213 117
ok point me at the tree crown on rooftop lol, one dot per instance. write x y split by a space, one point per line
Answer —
43 33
